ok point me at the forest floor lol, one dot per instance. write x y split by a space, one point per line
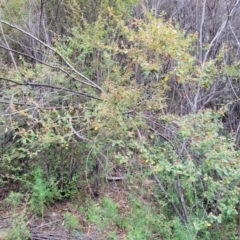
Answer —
52 224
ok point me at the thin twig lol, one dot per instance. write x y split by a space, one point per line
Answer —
88 81
46 64
77 134
166 196
48 86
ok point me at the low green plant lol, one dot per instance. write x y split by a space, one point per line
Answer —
42 191
18 230
70 221
103 214
144 221
141 221
14 199
183 232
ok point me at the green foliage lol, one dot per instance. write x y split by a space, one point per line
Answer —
163 41
140 222
39 145
42 192
18 229
14 10
206 171
144 222
93 35
14 200
104 214
181 232
70 221
144 66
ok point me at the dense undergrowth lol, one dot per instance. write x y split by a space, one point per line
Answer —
97 91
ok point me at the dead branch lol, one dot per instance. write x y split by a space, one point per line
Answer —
88 81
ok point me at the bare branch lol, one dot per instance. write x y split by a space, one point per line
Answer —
201 31
17 103
220 30
49 86
57 53
181 198
166 196
76 133
6 42
47 64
